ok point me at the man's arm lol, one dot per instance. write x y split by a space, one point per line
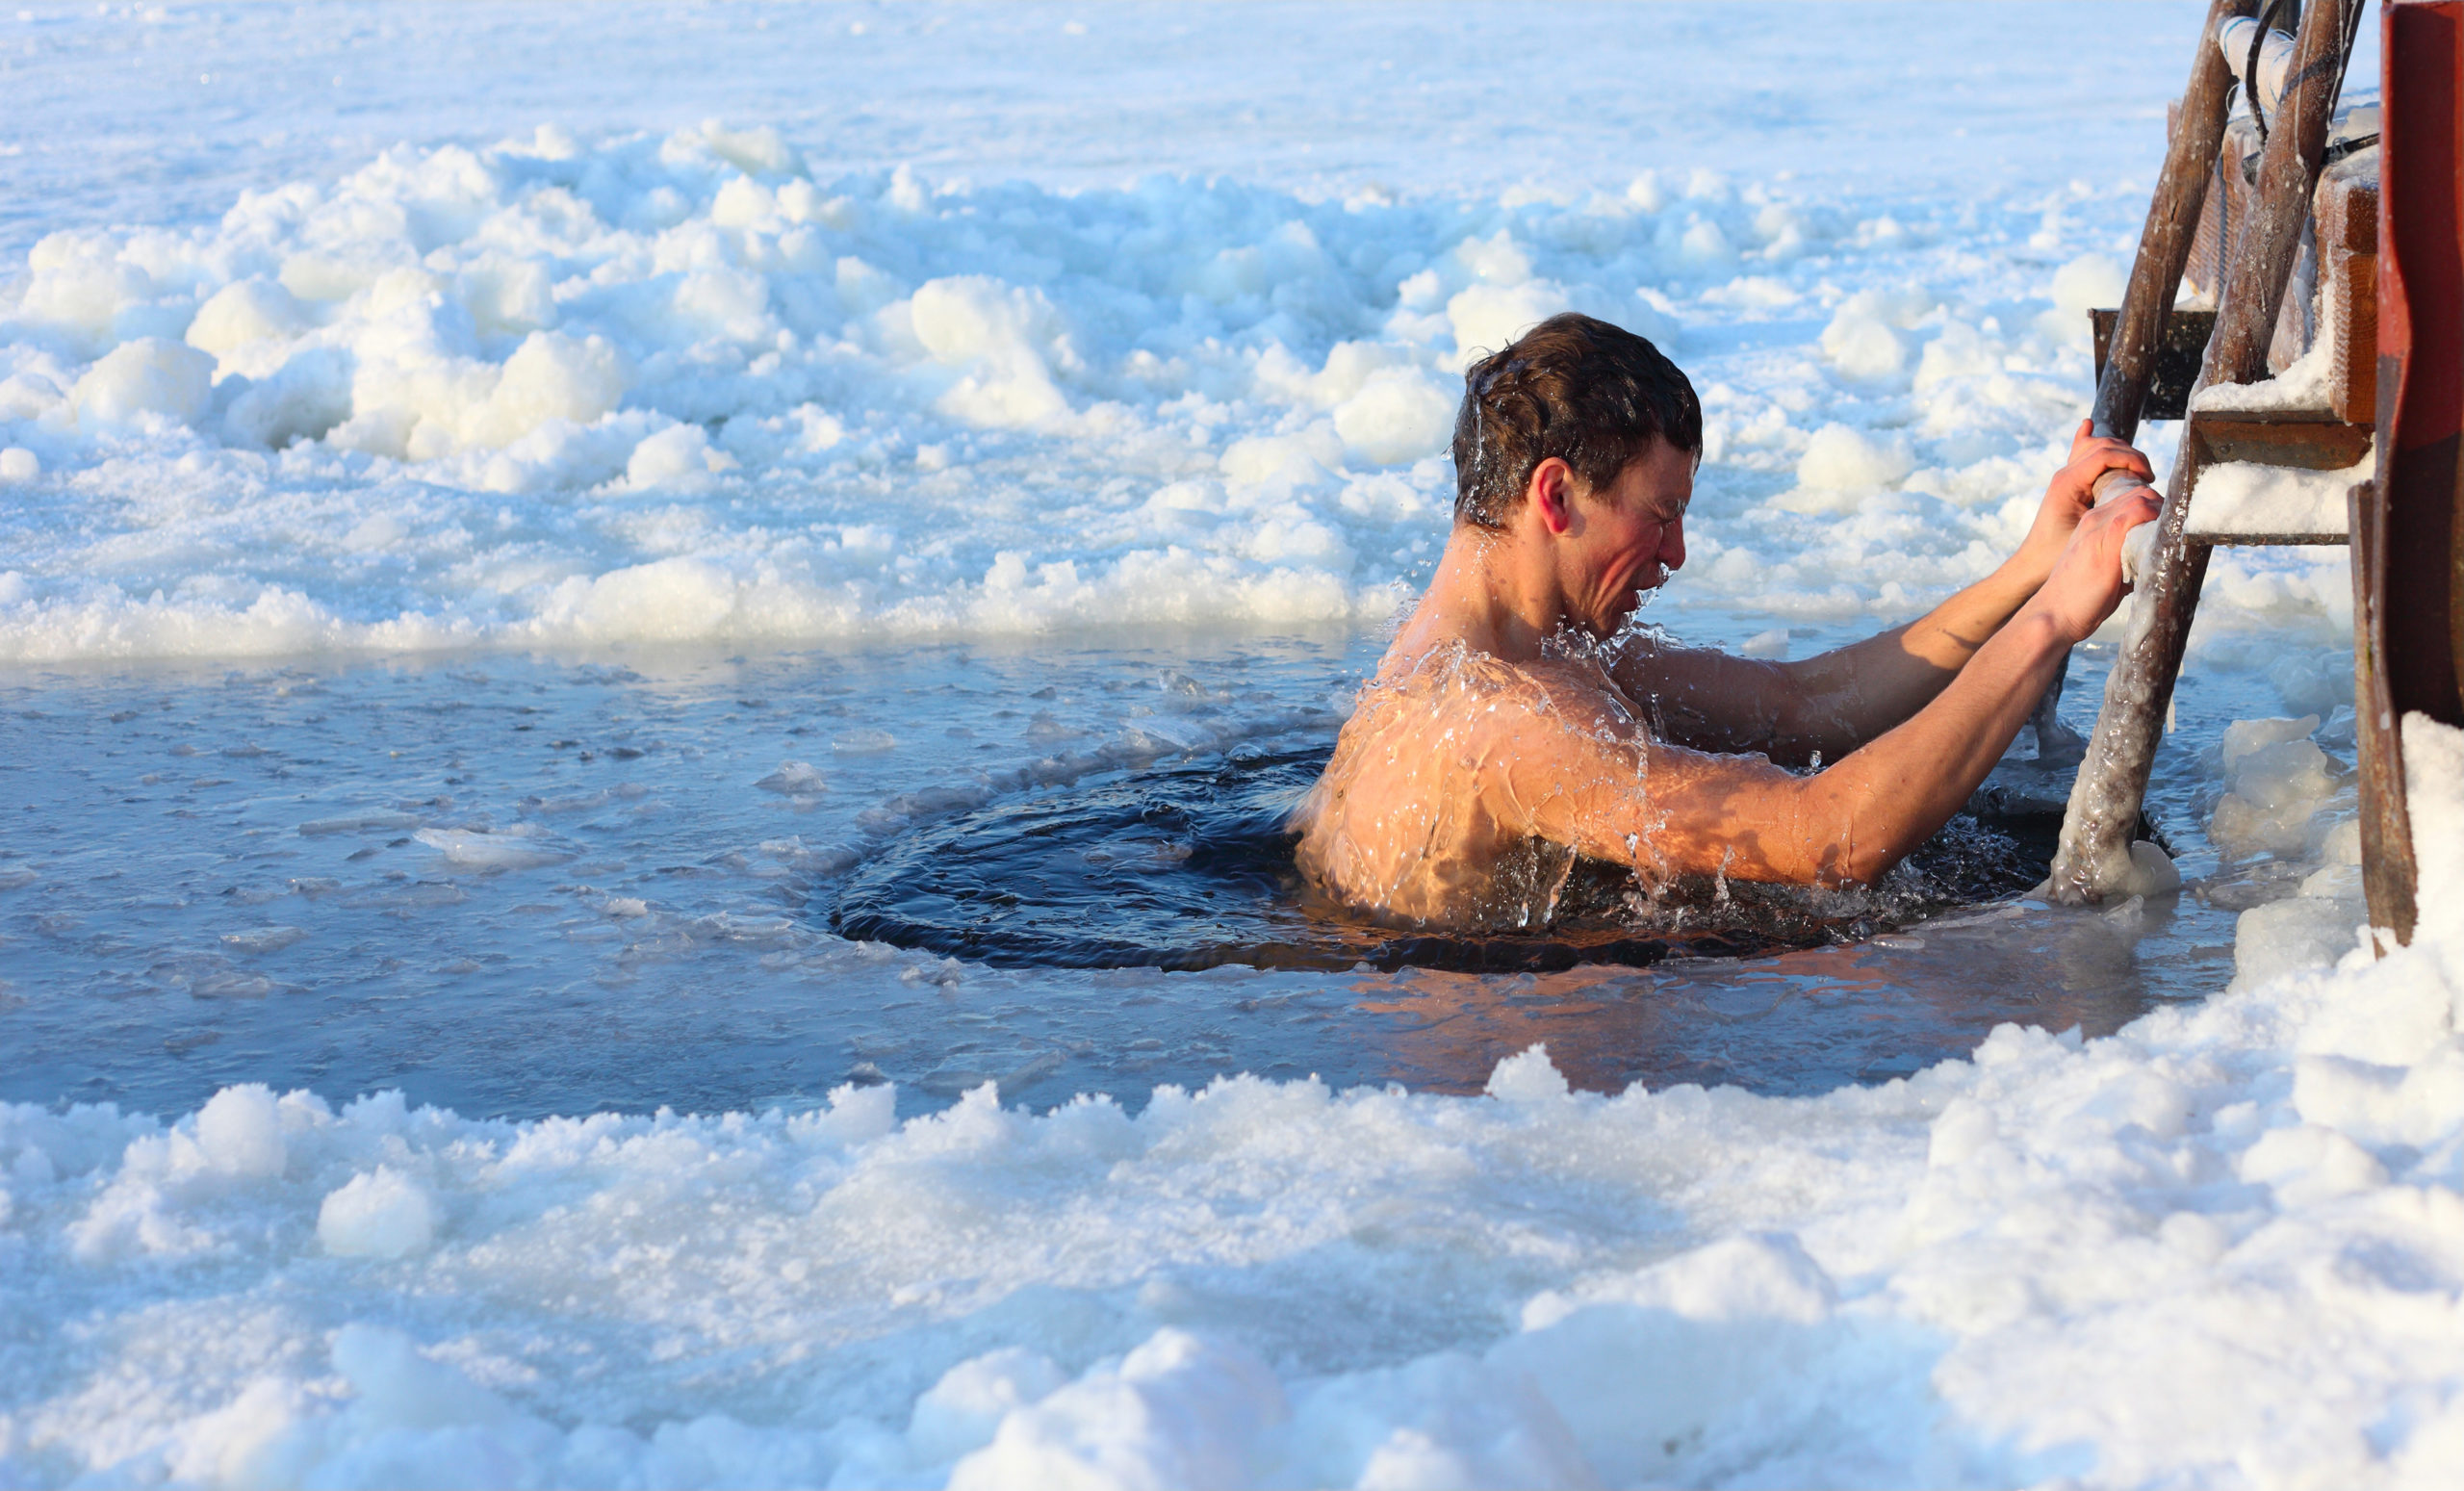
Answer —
1594 783
1819 708
1828 705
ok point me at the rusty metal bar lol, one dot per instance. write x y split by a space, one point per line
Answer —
2093 859
2408 529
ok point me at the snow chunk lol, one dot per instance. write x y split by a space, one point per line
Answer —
2294 935
960 1413
1646 1365
303 399
146 377
1009 339
2084 284
679 458
2434 798
1488 318
1528 1077
1178 1411
263 940
794 779
2244 738
2242 497
395 1386
550 376
2278 780
381 1214
255 309
517 848
239 1131
1396 416
1863 340
1843 458
86 289
2309 1165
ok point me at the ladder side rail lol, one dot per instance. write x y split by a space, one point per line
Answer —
2155 280
2165 244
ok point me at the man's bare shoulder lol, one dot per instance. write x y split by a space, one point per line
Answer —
1450 720
1466 685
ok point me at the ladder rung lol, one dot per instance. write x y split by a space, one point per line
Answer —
2257 540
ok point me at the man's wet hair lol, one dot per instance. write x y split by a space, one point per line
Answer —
1574 387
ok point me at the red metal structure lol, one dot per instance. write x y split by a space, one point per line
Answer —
2407 536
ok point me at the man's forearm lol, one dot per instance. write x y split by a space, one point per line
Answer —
1825 706
1868 811
1847 697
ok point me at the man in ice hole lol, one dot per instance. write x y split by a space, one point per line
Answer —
1513 725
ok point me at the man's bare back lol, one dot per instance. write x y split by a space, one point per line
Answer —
1516 724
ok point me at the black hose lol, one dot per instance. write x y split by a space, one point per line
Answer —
2250 68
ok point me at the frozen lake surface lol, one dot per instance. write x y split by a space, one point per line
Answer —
504 510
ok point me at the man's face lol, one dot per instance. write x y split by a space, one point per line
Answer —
1631 537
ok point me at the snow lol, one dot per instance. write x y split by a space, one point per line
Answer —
710 383
525 355
2434 794
1839 458
381 1214
2301 386
2242 498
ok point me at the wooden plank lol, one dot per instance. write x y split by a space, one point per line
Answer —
2388 872
2346 214
2303 438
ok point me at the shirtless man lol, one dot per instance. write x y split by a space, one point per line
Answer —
1513 727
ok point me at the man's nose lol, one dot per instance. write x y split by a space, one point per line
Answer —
1672 545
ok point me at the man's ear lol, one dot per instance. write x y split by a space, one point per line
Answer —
1552 495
